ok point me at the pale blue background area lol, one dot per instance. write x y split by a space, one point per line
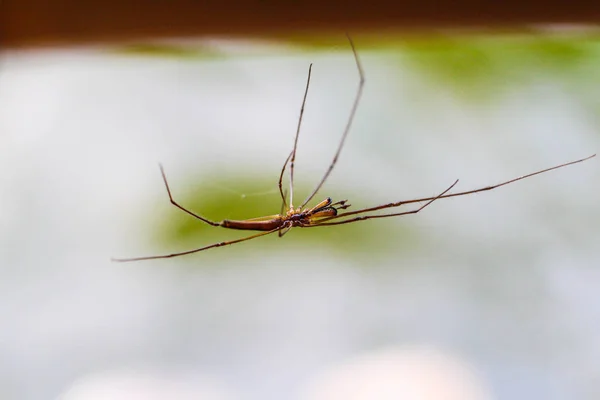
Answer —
509 279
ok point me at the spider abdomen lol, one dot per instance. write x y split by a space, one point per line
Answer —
249 225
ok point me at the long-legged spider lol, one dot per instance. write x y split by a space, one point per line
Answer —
326 212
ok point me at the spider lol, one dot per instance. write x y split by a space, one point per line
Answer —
326 212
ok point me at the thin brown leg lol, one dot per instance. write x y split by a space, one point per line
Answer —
346 129
283 195
366 217
162 172
293 155
400 203
183 253
283 230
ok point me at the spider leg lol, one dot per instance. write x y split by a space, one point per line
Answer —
183 253
281 191
366 217
162 172
285 230
484 189
348 124
283 203
292 157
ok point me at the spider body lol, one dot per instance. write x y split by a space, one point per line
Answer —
294 217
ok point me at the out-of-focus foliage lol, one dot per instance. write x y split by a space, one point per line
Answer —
473 64
483 67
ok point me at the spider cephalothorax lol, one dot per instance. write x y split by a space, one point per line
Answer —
311 216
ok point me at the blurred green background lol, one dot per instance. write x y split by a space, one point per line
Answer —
505 281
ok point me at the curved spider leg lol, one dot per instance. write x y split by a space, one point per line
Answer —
348 124
366 217
283 229
281 192
293 154
162 172
484 189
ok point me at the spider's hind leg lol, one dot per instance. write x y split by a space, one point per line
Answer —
173 202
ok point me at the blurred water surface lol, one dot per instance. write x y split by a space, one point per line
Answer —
508 279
